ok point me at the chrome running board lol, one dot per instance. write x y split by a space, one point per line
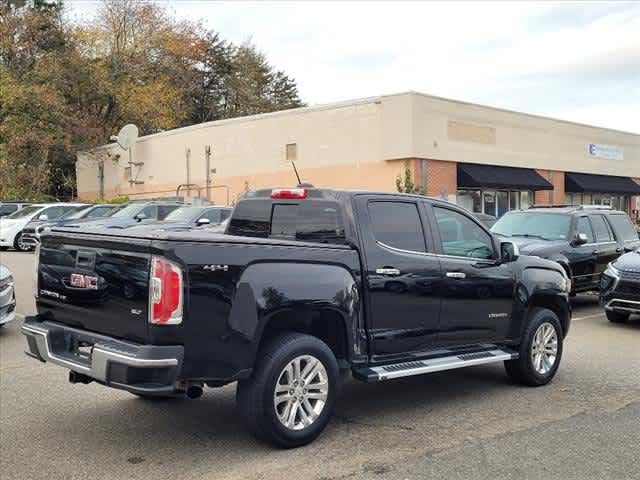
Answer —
431 365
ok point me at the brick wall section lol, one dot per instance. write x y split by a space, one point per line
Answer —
442 177
555 196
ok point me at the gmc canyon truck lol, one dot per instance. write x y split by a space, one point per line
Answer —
304 286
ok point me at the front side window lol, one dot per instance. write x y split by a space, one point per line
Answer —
461 236
547 226
150 212
398 225
584 226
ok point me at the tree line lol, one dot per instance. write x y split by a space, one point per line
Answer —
66 87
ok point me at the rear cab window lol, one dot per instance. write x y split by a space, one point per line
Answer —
311 219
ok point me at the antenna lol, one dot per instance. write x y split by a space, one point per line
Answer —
296 170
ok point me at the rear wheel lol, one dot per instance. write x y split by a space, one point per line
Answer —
617 317
290 396
540 350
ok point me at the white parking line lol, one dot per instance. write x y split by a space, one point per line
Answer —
588 316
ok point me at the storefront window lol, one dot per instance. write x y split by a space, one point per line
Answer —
470 199
489 203
525 200
502 201
514 200
493 202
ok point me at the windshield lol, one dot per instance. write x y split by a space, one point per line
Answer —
25 212
547 226
183 214
129 211
75 212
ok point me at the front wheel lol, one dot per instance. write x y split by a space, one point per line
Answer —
290 396
19 244
540 350
617 317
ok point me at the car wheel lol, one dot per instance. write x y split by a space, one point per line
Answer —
19 244
617 317
289 399
540 350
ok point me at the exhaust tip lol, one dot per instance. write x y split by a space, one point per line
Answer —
194 391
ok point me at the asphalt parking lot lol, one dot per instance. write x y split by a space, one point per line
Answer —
469 423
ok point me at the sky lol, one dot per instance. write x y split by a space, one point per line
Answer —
576 61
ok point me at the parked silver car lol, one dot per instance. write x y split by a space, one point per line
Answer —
7 296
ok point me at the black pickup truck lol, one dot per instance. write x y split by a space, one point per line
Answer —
304 286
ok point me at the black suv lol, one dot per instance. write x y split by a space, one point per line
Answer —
583 239
620 287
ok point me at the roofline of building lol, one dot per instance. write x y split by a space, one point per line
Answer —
351 103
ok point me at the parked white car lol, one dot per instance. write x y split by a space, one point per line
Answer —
7 296
11 227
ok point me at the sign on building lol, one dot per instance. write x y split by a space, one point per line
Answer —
608 152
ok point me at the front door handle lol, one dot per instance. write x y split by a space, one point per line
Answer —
619 250
595 252
459 275
390 271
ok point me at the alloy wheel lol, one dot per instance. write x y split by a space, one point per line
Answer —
301 392
544 348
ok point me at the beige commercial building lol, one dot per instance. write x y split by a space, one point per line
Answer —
486 159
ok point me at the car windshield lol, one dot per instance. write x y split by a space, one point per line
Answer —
129 211
184 214
547 226
75 212
25 212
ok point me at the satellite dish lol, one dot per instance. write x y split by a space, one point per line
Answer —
127 136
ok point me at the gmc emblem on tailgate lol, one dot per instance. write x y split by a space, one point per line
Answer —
78 280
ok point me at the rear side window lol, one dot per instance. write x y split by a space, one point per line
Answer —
584 226
397 224
309 220
623 227
601 229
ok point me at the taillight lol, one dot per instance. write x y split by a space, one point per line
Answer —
165 298
289 193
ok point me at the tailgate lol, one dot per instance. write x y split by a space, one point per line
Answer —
96 284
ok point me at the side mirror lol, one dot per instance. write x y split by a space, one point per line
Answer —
139 217
44 216
203 221
581 239
509 252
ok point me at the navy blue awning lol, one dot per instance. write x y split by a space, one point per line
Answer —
590 183
472 175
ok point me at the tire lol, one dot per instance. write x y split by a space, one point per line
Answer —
617 317
526 370
274 366
18 245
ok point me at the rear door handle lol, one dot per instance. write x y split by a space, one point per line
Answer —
393 272
459 275
595 252
619 250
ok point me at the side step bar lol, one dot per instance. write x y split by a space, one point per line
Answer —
419 367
